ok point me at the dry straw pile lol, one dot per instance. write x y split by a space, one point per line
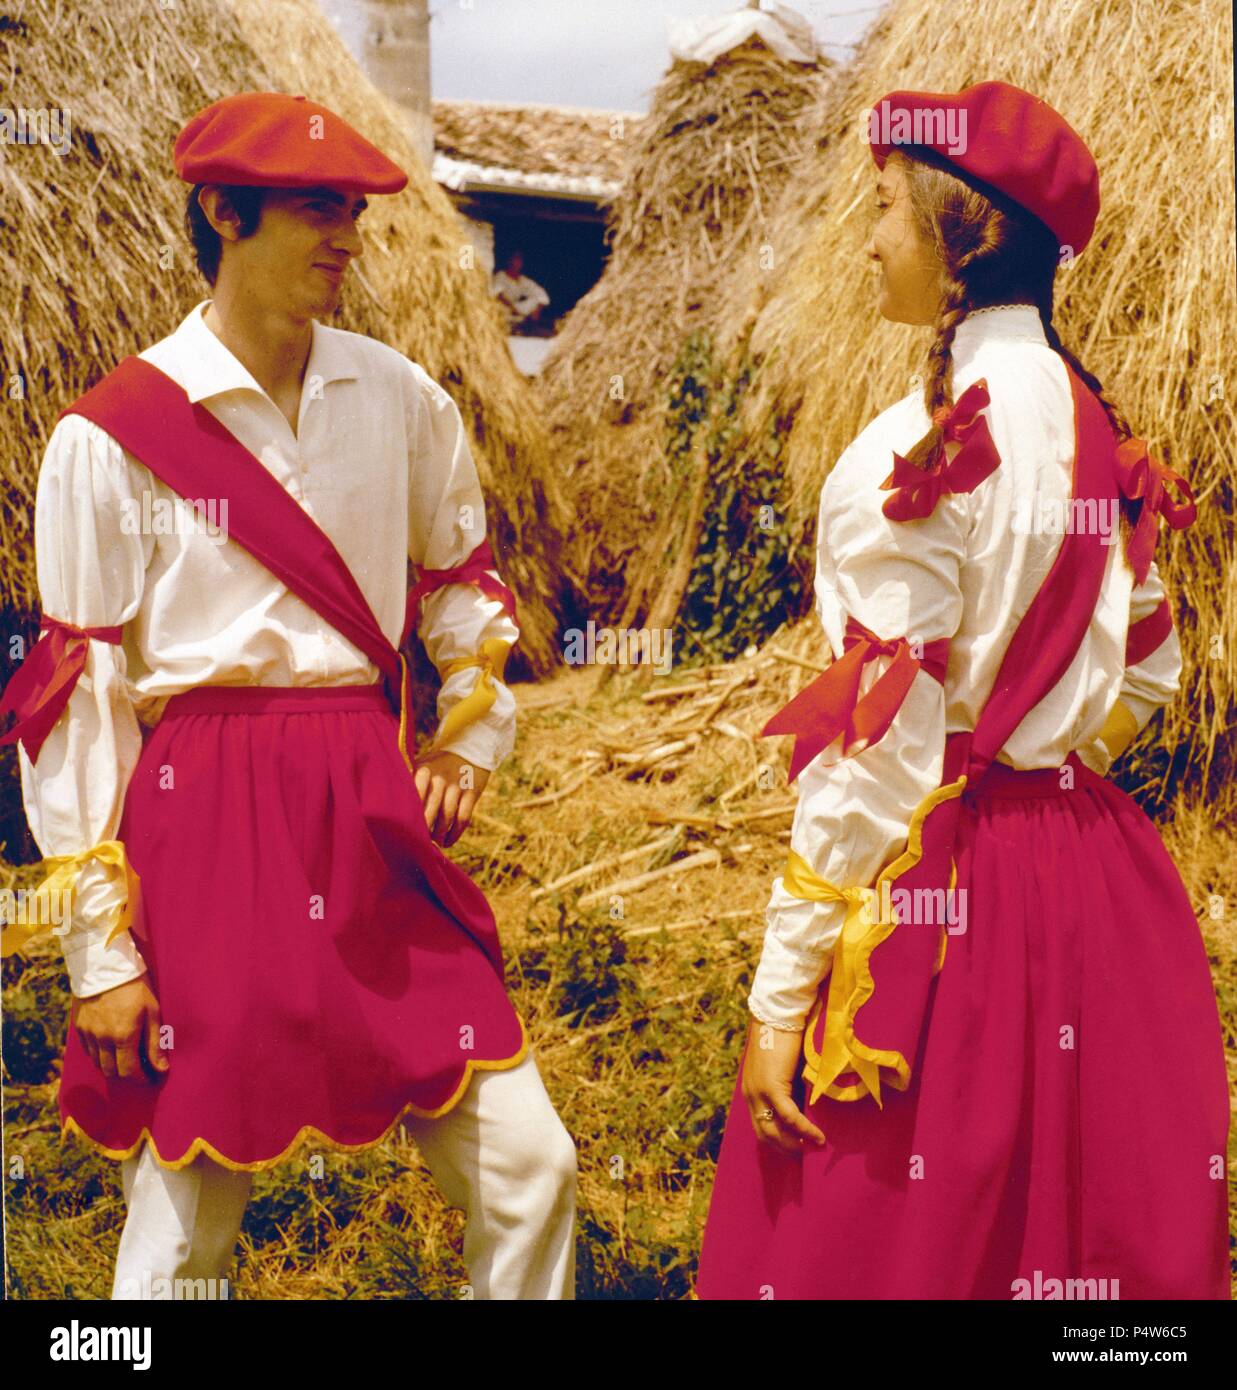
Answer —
631 385
1149 307
92 242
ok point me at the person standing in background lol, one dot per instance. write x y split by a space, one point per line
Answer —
519 294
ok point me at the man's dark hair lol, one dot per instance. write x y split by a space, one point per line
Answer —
207 243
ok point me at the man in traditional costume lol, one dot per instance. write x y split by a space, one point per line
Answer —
269 952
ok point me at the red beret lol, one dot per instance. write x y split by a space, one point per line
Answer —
1008 139
278 141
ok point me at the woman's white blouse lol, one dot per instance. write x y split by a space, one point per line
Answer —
967 572
380 461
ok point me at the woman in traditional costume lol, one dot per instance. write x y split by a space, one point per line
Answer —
985 1059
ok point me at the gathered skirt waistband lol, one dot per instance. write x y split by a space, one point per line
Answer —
277 699
1001 780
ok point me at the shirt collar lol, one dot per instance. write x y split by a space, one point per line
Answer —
208 368
1009 323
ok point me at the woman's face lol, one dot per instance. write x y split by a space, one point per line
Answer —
909 266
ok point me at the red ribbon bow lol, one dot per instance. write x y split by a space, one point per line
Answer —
470 571
830 705
919 489
40 690
1141 477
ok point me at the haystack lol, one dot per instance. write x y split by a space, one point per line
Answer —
1149 307
637 397
92 248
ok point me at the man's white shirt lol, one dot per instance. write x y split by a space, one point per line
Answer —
379 460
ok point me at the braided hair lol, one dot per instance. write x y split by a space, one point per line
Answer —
991 251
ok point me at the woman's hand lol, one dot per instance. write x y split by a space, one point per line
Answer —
449 802
117 1026
769 1068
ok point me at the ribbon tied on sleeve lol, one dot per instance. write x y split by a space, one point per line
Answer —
1144 478
50 906
39 692
491 657
470 571
919 489
477 703
830 706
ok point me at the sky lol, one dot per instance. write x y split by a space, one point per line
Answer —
603 53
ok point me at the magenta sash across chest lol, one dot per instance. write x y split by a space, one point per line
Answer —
869 1015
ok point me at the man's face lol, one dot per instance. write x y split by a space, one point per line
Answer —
298 256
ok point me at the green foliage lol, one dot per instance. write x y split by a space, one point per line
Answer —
744 583
35 1011
643 1266
587 964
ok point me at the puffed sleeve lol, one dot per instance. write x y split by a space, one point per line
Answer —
900 580
91 561
466 630
1151 678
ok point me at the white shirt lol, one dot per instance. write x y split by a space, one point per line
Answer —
379 460
968 572
524 294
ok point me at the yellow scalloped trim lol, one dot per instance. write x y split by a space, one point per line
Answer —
403 714
61 877
204 1146
852 986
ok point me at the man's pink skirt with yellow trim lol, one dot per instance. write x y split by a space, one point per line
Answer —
321 964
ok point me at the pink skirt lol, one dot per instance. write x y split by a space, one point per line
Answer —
321 964
1068 1112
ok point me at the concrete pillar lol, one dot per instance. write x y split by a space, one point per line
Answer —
396 58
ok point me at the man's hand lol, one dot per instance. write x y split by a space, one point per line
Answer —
117 1026
449 802
768 1072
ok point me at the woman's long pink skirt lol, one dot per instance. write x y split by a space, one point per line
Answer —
1068 1111
321 964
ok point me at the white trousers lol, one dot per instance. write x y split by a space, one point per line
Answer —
502 1154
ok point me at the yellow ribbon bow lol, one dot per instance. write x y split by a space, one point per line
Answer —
63 870
850 983
492 658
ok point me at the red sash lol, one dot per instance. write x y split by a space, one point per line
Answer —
184 446
896 963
